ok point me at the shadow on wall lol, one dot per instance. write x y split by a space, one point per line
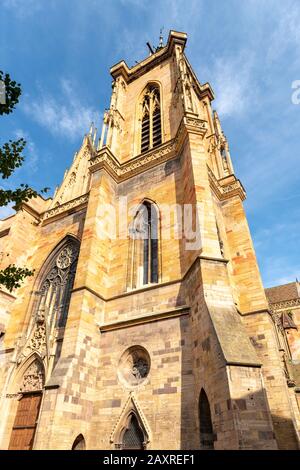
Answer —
208 418
208 425
285 433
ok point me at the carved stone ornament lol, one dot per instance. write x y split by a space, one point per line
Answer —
33 379
66 257
35 343
288 321
72 179
40 316
223 192
39 338
60 208
277 320
167 151
134 366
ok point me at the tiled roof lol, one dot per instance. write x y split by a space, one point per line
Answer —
283 292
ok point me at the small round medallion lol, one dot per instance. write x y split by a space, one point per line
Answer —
134 366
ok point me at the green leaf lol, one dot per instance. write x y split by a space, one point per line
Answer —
12 276
10 93
10 157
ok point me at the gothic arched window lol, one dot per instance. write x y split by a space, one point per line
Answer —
145 245
151 135
79 443
56 285
206 428
133 437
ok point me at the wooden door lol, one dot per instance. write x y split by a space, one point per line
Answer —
25 422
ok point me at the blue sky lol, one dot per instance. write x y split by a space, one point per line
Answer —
249 51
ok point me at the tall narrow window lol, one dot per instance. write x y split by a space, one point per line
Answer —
151 119
206 428
145 252
133 437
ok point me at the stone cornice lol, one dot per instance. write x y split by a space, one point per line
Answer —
130 74
75 204
227 187
36 211
148 287
146 318
286 304
175 37
30 210
104 159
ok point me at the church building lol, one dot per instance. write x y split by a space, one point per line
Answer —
146 324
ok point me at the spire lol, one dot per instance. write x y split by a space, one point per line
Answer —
161 44
161 40
153 49
94 136
92 133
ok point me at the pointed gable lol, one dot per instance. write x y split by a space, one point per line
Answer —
76 179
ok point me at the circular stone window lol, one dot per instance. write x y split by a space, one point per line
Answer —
134 366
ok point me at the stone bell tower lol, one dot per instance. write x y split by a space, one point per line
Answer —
166 339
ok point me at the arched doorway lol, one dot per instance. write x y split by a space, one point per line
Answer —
205 422
133 437
29 403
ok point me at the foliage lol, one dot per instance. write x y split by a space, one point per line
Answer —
12 276
11 158
12 92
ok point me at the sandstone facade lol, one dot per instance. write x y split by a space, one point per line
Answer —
117 342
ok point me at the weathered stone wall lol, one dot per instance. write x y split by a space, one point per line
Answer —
261 330
205 324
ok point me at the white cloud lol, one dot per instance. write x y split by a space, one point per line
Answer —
231 78
287 32
64 117
30 152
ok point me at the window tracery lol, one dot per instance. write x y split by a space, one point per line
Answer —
151 134
56 285
144 263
